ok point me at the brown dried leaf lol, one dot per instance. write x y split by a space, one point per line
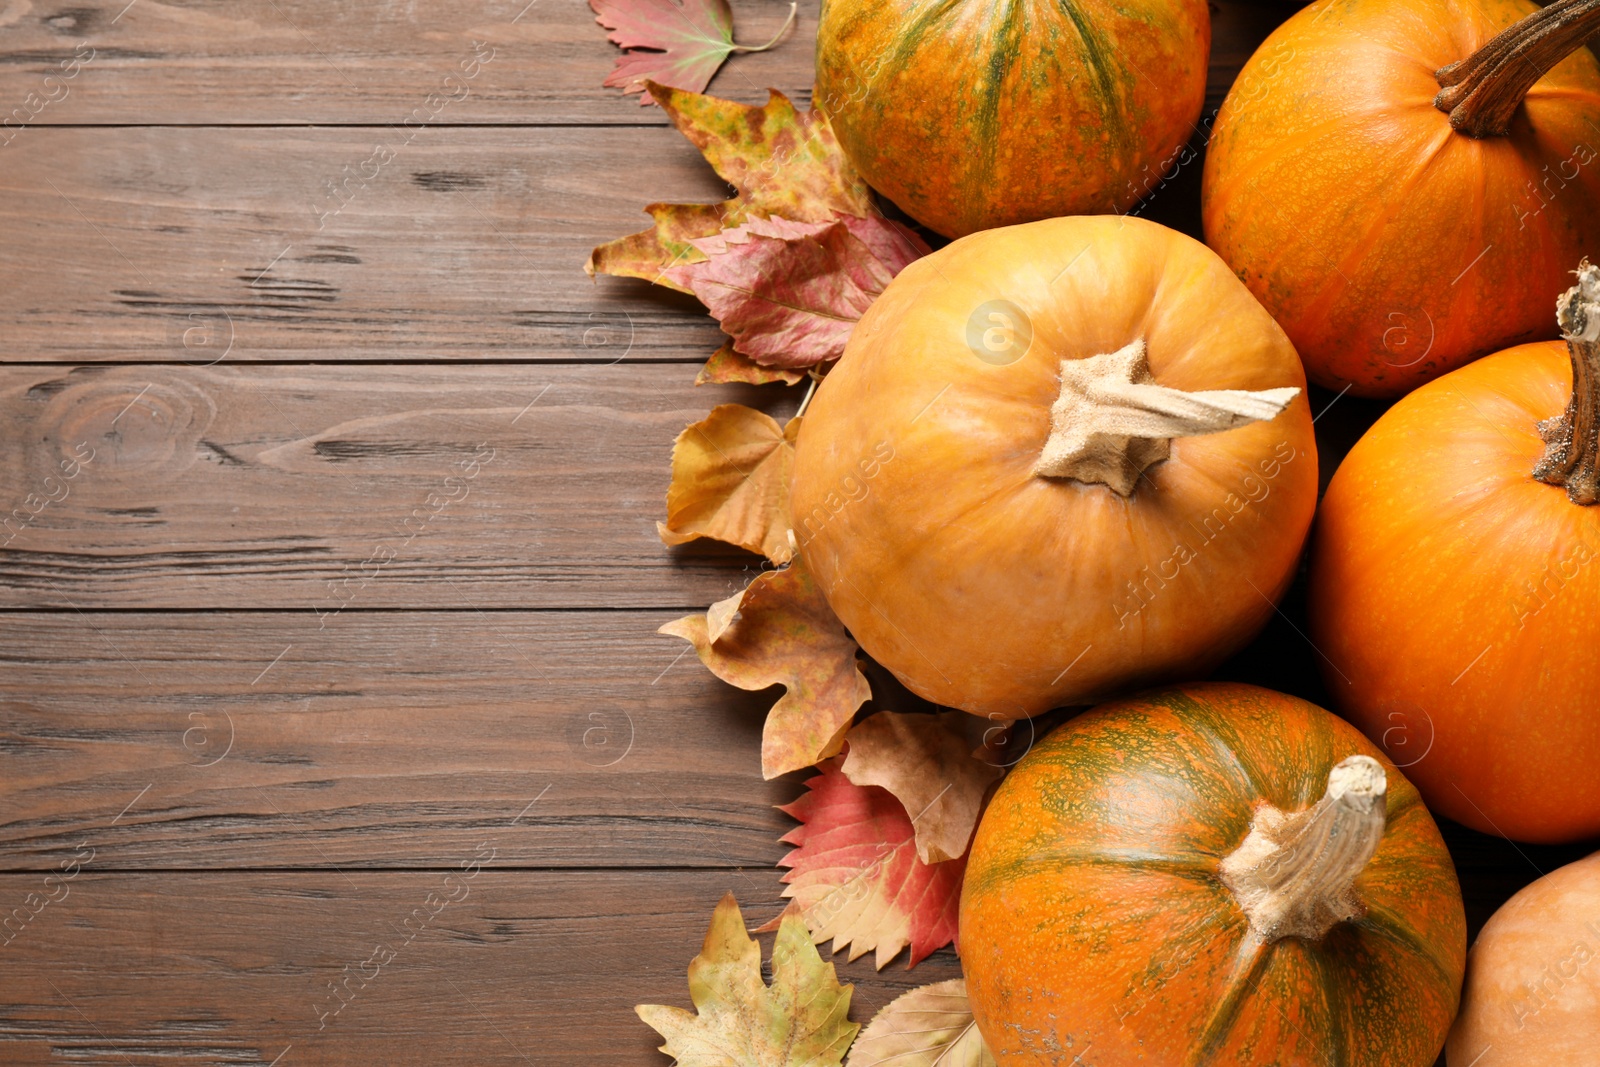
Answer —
927 1027
929 767
730 482
780 630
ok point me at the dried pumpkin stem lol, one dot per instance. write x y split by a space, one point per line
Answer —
1572 439
1294 875
1112 421
1482 92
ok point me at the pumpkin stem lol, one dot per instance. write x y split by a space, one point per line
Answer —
1482 92
1112 420
1294 875
1572 439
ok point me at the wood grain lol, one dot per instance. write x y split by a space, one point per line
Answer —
268 794
384 739
230 245
301 61
236 968
291 62
323 489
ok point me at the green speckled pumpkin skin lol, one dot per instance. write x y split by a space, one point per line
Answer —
1093 922
972 114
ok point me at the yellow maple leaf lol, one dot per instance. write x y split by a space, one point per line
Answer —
801 1020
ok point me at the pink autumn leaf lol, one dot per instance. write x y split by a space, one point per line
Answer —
789 293
855 876
679 43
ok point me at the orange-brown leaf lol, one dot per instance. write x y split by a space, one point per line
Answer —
780 631
727 366
730 482
929 767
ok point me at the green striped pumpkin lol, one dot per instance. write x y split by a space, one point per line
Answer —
971 114
1107 911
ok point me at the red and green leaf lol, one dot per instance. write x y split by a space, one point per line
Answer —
780 162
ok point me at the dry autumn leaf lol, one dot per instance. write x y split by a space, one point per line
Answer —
779 630
855 874
801 1020
727 366
780 162
929 767
789 293
927 1027
730 482
675 42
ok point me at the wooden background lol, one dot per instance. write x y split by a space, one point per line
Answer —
266 715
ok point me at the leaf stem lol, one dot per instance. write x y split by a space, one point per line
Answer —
811 391
794 9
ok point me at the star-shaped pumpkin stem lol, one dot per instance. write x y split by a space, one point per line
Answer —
1112 421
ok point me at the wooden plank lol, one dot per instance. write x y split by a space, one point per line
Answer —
324 489
230 245
236 968
308 61
198 245
380 63
384 739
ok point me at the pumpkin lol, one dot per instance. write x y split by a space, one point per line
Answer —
1210 874
1055 461
1452 592
972 114
1392 240
1531 999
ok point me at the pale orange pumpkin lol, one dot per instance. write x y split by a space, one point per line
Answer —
1532 997
1018 489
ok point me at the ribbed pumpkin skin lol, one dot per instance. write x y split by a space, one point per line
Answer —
984 587
1389 247
972 114
1454 598
1093 922
1531 999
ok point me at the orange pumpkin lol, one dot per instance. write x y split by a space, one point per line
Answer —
1014 489
1392 240
1531 998
1158 883
972 114
1453 592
